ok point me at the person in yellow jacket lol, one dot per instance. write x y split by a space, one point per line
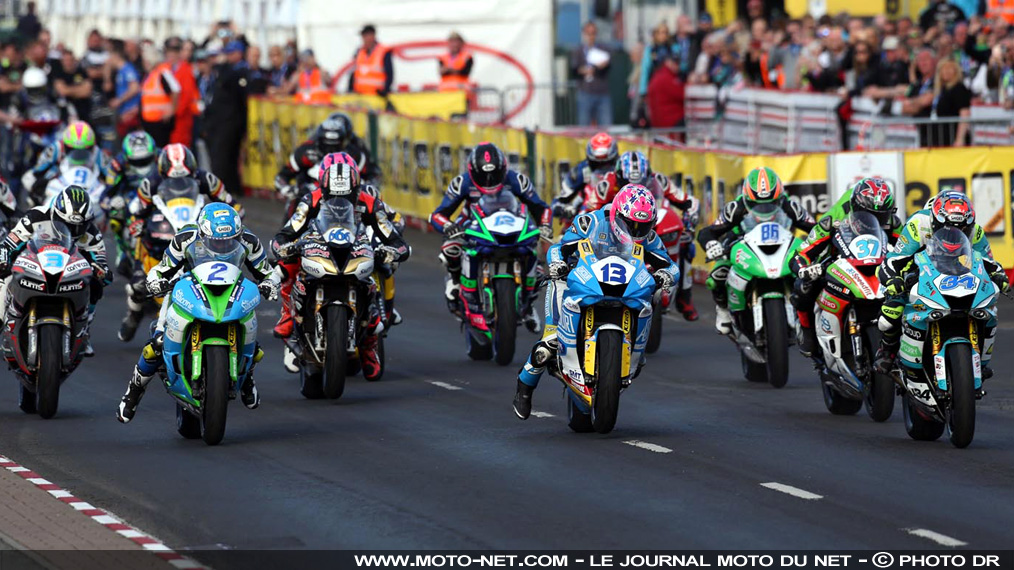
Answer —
372 70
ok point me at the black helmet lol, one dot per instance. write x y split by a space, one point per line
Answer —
874 195
72 207
331 136
487 167
176 161
348 129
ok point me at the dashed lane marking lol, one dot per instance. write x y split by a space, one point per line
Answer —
444 385
790 490
649 446
543 415
941 539
103 517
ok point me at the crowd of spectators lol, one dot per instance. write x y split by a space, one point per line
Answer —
930 67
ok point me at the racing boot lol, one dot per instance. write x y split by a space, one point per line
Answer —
370 358
723 320
685 305
807 335
531 319
290 361
144 370
452 294
128 326
523 400
887 354
248 391
283 329
87 351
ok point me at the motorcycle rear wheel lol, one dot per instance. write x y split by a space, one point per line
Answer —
47 388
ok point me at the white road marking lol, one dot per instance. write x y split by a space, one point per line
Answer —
648 446
543 415
106 519
130 533
60 493
156 546
38 481
941 539
81 506
790 490
444 385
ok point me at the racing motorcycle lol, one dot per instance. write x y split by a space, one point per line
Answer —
47 316
589 198
328 298
943 336
210 337
85 176
502 236
603 326
670 229
763 321
176 204
41 128
847 313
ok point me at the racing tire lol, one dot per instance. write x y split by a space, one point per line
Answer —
655 333
311 382
776 327
26 400
47 387
506 331
606 401
187 425
878 396
838 404
961 419
337 358
577 420
216 393
919 427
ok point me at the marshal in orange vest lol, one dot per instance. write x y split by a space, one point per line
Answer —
312 88
457 80
1000 9
369 71
156 104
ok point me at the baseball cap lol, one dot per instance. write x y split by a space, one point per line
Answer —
233 46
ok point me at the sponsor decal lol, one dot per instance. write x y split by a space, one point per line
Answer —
825 324
182 301
913 332
582 274
911 350
249 304
34 285
314 250
221 213
642 278
76 286
828 303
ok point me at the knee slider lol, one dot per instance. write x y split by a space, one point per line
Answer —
543 351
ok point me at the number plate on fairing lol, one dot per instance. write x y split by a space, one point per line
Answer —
613 270
216 273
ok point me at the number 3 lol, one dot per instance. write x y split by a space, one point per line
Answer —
215 270
53 260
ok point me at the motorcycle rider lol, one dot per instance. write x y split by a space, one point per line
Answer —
218 226
8 203
630 218
633 168
898 274
78 146
134 163
174 162
870 194
330 137
357 148
601 154
72 207
487 174
763 195
340 179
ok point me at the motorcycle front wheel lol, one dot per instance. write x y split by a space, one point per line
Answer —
776 327
606 404
216 393
961 422
336 359
505 336
47 389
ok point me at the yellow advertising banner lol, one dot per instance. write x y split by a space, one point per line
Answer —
427 104
985 174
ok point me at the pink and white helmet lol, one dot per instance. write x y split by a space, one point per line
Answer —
632 215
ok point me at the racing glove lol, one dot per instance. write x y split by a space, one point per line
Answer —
546 233
811 273
5 259
1000 280
664 280
558 270
714 249
453 231
269 287
157 286
894 286
135 227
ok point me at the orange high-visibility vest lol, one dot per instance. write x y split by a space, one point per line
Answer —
156 104
766 73
1000 9
369 71
456 81
311 87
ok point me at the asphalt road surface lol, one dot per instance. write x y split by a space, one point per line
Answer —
432 457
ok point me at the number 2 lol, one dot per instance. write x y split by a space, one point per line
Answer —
614 273
215 270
